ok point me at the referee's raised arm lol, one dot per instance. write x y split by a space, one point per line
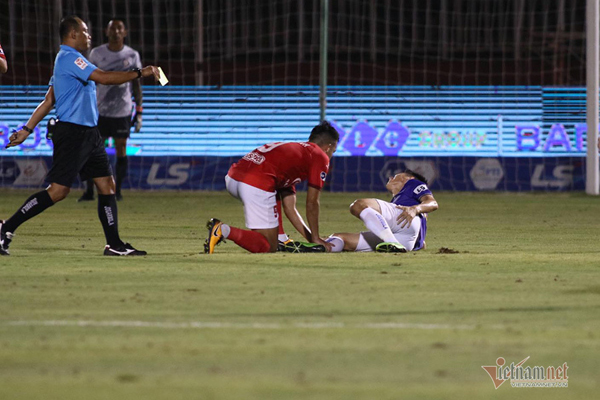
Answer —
119 77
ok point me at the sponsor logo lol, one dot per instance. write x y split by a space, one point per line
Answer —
562 177
522 376
81 63
109 216
420 189
323 175
176 175
487 173
254 157
29 205
31 172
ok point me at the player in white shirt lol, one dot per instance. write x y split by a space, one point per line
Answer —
115 102
397 226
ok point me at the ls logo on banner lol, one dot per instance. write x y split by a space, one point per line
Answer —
178 174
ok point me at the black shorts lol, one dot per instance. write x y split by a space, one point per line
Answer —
79 150
117 128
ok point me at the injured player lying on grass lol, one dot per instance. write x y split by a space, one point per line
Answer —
397 226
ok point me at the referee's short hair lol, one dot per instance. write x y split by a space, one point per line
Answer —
324 133
68 24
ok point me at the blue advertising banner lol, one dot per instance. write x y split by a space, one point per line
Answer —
402 121
346 174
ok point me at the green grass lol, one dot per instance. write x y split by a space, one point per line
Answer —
525 282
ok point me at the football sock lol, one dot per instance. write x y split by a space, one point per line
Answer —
337 243
121 167
252 241
34 205
376 224
107 212
282 237
225 229
89 187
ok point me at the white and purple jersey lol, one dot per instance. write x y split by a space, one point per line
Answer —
114 101
409 196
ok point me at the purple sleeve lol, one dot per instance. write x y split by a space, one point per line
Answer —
419 190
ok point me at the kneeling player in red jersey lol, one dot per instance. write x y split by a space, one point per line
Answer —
271 170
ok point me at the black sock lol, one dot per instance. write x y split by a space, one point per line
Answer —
121 167
33 206
89 190
107 212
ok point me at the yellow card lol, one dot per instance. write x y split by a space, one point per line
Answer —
162 77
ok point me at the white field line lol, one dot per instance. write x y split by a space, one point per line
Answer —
236 325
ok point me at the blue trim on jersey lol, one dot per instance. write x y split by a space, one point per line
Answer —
409 196
75 95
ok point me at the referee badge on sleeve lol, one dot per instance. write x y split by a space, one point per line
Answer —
81 63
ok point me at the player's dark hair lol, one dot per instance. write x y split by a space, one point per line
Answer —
415 175
115 19
68 24
324 133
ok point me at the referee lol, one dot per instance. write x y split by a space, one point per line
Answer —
114 102
78 147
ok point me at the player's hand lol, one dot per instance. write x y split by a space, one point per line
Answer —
318 240
408 214
17 138
137 122
150 70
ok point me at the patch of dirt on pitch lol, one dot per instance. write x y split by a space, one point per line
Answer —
446 250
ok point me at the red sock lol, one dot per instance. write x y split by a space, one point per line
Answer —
279 217
252 241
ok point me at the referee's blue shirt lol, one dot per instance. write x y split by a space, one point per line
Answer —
75 95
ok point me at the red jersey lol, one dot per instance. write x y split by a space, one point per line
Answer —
280 165
2 53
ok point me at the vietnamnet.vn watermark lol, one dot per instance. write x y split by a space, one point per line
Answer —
521 376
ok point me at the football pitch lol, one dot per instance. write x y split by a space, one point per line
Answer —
503 275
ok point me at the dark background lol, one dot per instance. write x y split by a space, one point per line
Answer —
383 42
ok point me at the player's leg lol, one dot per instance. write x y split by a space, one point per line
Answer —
122 165
104 127
69 153
343 242
358 242
369 212
260 211
407 235
88 194
98 168
282 237
119 129
34 205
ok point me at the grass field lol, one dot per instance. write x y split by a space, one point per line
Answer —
178 324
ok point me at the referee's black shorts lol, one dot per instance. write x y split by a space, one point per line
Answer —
79 150
118 128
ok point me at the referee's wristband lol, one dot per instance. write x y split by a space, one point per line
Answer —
139 72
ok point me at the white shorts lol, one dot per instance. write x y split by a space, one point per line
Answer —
260 206
407 236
